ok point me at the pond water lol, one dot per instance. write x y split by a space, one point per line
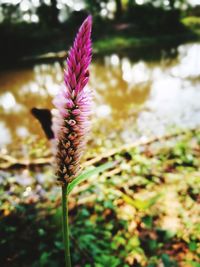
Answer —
133 98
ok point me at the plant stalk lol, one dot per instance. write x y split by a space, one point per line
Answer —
65 225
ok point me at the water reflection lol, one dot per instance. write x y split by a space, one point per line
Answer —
22 89
189 63
132 98
175 97
5 136
8 102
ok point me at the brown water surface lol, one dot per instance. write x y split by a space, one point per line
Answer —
133 98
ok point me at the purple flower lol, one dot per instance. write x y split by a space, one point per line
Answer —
71 119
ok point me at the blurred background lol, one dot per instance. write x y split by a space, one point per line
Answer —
145 75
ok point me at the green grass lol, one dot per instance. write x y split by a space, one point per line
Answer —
193 23
123 43
143 213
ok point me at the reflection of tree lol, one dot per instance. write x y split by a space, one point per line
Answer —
29 88
114 91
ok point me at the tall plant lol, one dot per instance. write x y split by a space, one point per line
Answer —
71 121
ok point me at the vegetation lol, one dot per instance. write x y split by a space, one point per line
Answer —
140 207
129 25
193 23
143 212
120 43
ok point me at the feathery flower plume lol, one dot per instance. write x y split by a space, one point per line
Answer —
71 121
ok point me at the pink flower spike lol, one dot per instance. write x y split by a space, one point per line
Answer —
72 121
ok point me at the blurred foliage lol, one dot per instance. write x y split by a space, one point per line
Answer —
192 23
146 18
129 21
144 212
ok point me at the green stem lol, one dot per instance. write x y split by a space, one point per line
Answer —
65 225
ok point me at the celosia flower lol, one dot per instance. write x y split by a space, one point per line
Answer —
71 119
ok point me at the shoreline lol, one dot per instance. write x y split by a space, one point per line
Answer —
121 45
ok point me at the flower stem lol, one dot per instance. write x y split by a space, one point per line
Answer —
65 225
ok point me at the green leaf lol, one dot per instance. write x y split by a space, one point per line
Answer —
88 174
192 246
166 260
140 204
44 258
148 221
194 263
152 265
41 232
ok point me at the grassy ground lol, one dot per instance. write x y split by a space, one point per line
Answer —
145 212
193 23
120 43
